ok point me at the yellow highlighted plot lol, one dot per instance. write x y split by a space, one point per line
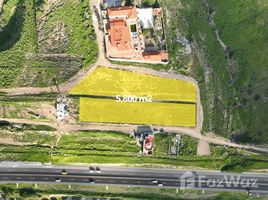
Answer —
108 110
105 81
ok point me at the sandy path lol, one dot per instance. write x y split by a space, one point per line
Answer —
203 148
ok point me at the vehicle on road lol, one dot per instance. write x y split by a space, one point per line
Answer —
64 172
98 170
155 181
91 169
91 180
160 184
57 180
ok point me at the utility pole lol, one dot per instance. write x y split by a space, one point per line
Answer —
56 84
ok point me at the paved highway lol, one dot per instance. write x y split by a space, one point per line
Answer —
142 177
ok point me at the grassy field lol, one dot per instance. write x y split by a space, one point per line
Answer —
107 110
41 137
246 37
34 144
45 192
22 110
67 30
95 147
26 143
111 82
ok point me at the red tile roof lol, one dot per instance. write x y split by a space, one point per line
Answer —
160 55
149 143
119 34
129 11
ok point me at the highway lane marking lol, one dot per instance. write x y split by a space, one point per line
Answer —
103 177
88 176
145 174
95 175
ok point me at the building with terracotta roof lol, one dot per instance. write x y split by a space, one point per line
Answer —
123 35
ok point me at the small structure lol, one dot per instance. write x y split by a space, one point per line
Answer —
145 137
148 144
174 146
61 109
146 18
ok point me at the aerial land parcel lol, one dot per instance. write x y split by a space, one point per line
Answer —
108 110
107 82
111 82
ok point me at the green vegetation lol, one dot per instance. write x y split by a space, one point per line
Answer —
26 143
29 134
15 46
233 80
188 145
79 28
41 44
27 191
246 37
96 147
113 147
133 28
21 110
222 158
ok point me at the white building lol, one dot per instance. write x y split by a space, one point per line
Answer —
146 18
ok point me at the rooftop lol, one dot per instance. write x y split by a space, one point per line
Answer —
119 34
127 11
123 35
144 129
